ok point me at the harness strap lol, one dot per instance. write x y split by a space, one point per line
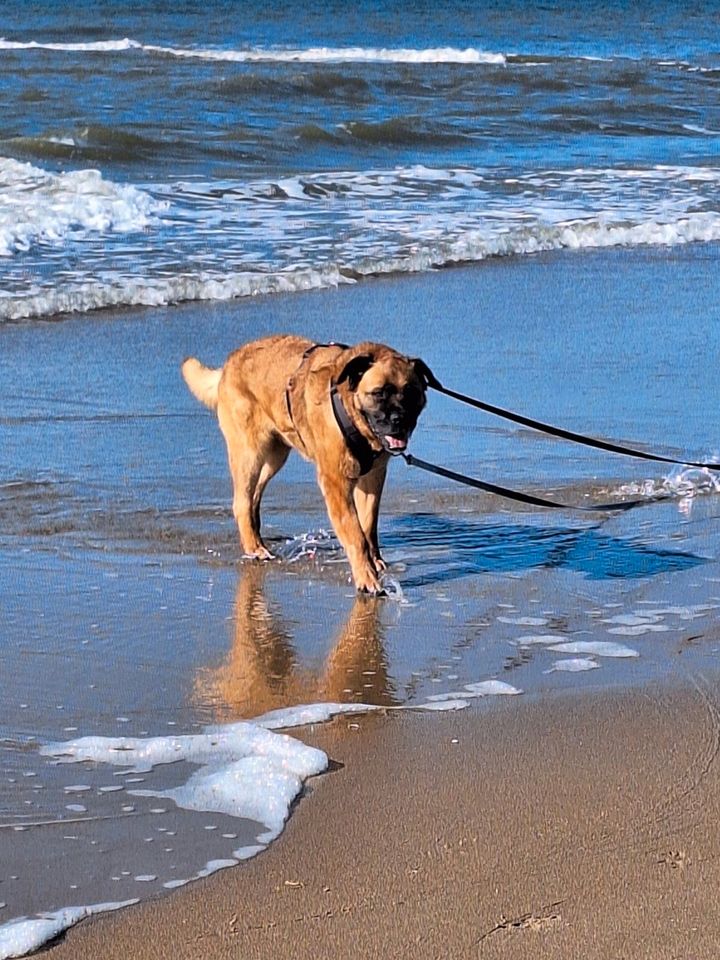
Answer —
291 382
357 444
523 497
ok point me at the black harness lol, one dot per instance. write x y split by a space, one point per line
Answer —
357 444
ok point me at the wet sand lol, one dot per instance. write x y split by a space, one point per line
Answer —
576 827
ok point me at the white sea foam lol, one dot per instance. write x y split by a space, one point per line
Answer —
26 934
243 769
537 639
485 688
160 291
444 706
683 483
42 207
355 54
97 46
254 788
472 246
275 54
598 648
524 621
573 665
341 55
302 232
226 744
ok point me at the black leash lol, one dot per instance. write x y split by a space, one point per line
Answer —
366 456
608 445
523 497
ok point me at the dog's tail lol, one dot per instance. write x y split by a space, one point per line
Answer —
202 381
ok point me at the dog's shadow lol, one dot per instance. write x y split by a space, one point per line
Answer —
262 670
440 549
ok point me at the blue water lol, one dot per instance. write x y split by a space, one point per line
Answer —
243 150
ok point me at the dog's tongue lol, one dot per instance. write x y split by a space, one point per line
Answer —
395 443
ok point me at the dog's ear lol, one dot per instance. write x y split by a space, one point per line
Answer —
355 368
423 371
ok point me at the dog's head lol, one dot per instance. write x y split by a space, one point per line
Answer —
385 390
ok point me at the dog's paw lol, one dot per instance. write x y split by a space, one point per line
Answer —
262 553
379 564
367 582
373 592
370 586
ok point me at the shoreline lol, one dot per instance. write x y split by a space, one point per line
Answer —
348 281
523 830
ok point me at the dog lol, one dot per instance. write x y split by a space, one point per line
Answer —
347 409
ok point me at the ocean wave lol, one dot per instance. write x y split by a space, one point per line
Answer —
352 54
472 246
401 131
161 291
275 54
70 235
90 144
323 84
96 46
43 207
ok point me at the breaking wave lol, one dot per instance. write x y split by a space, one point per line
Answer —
347 54
472 247
274 54
47 208
75 242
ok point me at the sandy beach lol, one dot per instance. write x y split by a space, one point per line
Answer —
572 828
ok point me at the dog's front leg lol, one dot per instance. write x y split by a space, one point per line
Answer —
366 495
338 493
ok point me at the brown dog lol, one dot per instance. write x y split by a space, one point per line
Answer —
344 408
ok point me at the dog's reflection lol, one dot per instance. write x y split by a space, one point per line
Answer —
262 670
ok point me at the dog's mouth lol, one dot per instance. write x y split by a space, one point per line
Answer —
393 444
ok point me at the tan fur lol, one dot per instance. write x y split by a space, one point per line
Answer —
202 381
249 393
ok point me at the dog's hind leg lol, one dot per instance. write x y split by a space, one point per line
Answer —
248 449
275 457
366 495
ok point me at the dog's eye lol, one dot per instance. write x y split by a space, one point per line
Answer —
383 393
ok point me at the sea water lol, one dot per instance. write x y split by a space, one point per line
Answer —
150 156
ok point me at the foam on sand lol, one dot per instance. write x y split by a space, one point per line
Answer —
25 935
245 770
598 648
573 665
